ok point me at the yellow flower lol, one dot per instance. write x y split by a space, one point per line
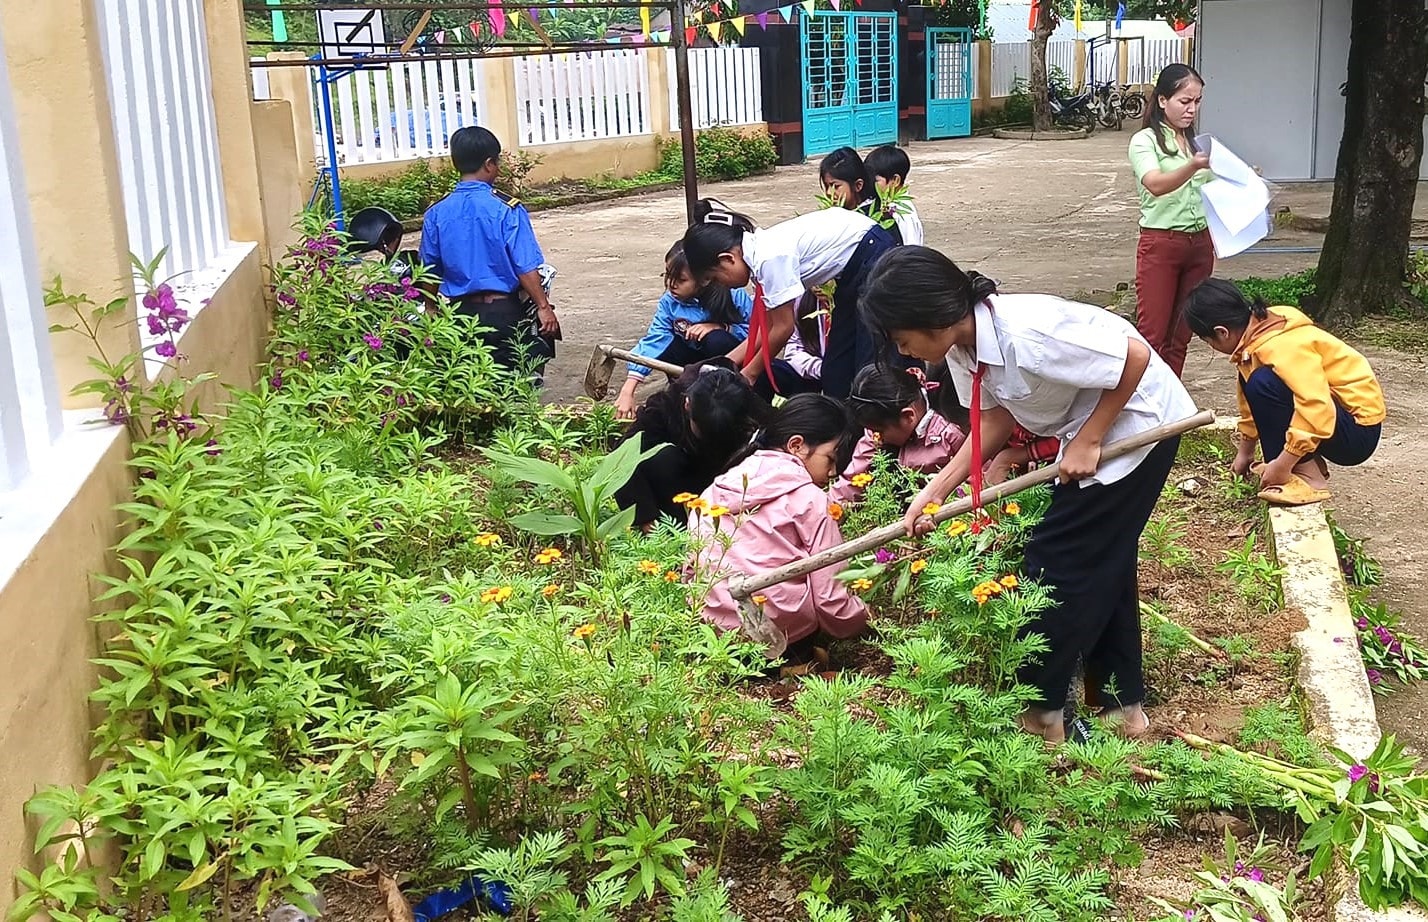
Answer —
862 585
932 509
917 566
584 632
550 590
1010 581
536 776
861 480
1012 509
759 599
957 528
683 498
671 576
698 504
497 594
718 511
649 567
835 512
489 539
549 555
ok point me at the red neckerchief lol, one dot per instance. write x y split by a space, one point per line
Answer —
759 339
976 423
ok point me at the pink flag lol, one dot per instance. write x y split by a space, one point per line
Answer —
763 19
441 37
498 19
837 4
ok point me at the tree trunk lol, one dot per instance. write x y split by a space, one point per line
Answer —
1364 260
1040 104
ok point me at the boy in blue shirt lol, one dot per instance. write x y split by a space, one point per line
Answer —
480 243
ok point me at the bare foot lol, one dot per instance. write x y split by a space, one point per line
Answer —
1309 471
1129 721
1045 724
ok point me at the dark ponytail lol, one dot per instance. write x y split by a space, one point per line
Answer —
880 394
845 165
1218 303
712 398
716 229
817 418
1171 79
917 288
716 300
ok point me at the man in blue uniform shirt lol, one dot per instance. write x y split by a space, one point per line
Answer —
480 243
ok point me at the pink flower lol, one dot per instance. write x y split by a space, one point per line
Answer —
302 357
166 349
884 555
373 341
1358 773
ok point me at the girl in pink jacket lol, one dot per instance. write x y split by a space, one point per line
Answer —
771 509
892 407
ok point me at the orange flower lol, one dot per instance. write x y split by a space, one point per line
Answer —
835 511
862 585
536 776
861 480
1012 509
683 498
549 555
956 528
1010 581
550 590
489 539
917 566
649 567
698 504
497 594
716 512
759 599
932 509
671 576
584 632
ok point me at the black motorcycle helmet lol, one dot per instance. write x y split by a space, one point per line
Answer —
374 229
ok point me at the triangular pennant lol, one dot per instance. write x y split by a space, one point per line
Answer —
786 13
535 16
807 6
645 19
718 10
837 4
498 19
475 28
739 24
763 19
441 37
715 28
515 17
689 34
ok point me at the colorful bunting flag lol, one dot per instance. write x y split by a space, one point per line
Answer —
739 23
763 19
786 12
498 19
441 37
837 4
645 20
715 28
689 34
808 7
535 16
515 16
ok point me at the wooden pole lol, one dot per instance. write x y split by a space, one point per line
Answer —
656 364
686 110
742 587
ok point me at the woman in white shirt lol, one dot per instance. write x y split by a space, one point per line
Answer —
1061 369
783 262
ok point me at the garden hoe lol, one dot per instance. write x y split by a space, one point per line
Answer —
602 368
760 629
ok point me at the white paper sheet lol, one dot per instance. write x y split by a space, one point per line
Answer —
1236 200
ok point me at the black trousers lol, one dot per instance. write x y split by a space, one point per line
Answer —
1086 551
1272 406
851 345
510 327
688 352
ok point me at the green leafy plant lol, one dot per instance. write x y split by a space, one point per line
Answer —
1289 290
1161 543
652 859
1240 888
1255 576
720 153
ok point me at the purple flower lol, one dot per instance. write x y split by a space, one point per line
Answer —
302 357
373 341
156 325
116 413
166 349
122 384
377 524
1384 635
428 342
277 380
1361 624
445 599
212 449
1189 913
1374 676
1256 875
401 400
286 299
1357 772
884 555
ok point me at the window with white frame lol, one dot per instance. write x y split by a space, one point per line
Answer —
161 93
30 409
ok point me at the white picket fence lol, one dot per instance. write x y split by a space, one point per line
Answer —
725 87
1157 54
583 96
161 94
1011 61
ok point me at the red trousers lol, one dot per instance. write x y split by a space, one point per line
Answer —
1168 266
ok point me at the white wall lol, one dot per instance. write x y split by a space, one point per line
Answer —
1333 71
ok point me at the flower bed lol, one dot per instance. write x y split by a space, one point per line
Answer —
350 642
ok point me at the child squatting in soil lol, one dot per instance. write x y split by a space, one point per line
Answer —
1305 396
771 508
1086 376
690 324
783 262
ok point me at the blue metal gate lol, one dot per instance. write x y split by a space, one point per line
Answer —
949 83
849 80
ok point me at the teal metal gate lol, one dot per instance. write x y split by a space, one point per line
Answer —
949 83
849 80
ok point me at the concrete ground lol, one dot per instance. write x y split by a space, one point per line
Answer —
1057 217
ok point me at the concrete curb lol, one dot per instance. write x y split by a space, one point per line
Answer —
1016 134
1331 669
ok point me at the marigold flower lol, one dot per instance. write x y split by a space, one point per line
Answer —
835 512
536 776
683 498
759 599
497 594
584 632
549 555
489 539
1012 509
698 504
932 509
649 567
861 480
1010 581
862 585
917 566
956 529
671 576
550 590
718 511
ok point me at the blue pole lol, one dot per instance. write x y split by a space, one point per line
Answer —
325 81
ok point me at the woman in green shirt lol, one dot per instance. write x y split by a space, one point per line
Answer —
1175 252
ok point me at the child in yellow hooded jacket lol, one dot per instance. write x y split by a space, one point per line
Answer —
1305 396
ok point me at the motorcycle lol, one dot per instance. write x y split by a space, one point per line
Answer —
1072 112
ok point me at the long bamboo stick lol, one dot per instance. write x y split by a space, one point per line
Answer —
742 587
628 356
